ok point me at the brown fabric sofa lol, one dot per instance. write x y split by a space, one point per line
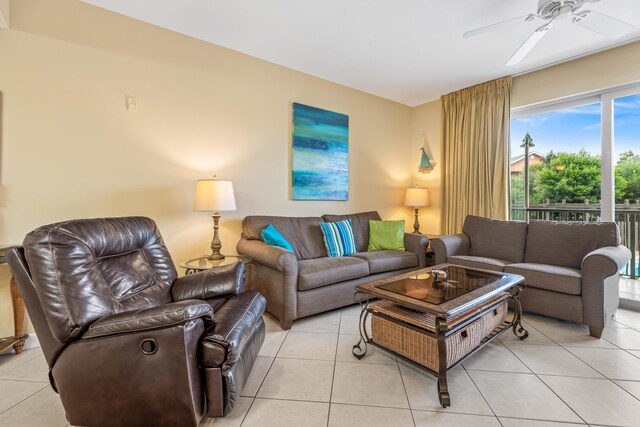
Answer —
306 281
128 343
571 269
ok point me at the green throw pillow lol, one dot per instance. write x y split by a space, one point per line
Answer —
386 235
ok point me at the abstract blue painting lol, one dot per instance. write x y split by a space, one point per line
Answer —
320 159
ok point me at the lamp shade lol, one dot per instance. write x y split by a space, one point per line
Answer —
416 197
214 196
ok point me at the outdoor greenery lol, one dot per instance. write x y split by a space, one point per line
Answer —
574 178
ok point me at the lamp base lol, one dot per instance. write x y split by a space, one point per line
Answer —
216 245
215 257
416 224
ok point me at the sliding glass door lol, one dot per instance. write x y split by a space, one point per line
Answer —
625 140
557 153
579 160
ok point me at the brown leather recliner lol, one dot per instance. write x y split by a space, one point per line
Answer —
127 341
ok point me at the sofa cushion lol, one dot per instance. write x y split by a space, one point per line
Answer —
549 277
360 224
494 238
386 235
567 243
387 260
338 238
303 233
478 262
318 272
273 237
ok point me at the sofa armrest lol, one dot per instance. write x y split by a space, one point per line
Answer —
271 256
213 283
124 375
417 243
159 317
600 285
605 261
450 245
236 321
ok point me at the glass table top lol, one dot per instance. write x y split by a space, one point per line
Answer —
203 263
426 287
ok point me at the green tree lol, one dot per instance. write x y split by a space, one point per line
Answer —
628 177
517 189
573 177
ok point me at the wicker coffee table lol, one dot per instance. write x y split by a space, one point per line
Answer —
438 316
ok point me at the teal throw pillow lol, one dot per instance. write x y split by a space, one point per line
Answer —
273 237
386 235
338 238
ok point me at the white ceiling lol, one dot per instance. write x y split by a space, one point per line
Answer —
409 51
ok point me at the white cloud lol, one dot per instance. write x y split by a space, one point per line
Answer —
592 127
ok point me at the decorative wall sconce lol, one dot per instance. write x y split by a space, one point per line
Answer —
425 164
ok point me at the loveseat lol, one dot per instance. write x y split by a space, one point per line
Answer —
306 281
571 269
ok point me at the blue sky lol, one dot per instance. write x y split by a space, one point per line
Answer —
574 129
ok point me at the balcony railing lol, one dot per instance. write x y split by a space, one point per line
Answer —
627 217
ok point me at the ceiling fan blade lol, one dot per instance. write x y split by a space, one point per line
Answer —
497 26
529 44
602 24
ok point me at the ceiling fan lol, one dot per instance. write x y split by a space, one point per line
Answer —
555 11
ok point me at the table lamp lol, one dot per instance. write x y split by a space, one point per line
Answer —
416 198
213 195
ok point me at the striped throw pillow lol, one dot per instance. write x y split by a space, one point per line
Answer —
338 238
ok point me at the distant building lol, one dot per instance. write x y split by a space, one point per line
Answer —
517 162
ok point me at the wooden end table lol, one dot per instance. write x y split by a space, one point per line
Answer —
19 338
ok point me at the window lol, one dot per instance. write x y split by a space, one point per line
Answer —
563 149
579 160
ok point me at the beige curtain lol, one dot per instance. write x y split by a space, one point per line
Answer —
475 126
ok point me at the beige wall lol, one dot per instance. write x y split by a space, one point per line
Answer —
70 149
426 132
595 72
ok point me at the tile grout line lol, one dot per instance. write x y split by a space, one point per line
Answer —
480 392
333 374
406 394
542 381
21 401
254 397
12 356
554 375
533 419
624 389
575 355
613 380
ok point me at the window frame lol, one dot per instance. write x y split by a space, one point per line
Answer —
606 98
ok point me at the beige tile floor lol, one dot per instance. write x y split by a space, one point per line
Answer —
630 293
307 377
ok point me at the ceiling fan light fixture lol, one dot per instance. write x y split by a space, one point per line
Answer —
564 12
